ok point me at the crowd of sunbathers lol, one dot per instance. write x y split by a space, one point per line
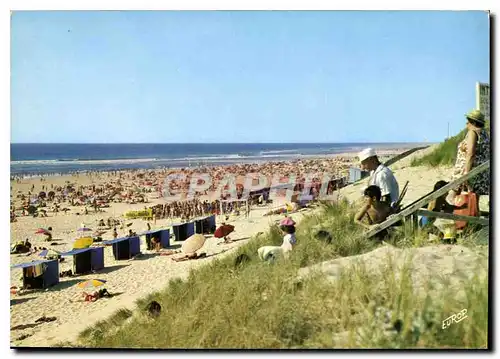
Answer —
133 186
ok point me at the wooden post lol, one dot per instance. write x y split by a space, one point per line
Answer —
414 221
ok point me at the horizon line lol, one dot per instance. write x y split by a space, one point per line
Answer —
206 143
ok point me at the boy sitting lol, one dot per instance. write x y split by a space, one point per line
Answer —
375 211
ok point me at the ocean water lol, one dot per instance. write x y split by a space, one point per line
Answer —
33 159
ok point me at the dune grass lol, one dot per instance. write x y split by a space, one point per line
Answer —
446 153
263 305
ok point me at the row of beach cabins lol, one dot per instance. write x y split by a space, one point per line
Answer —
42 274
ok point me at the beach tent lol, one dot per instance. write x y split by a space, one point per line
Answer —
125 248
205 225
87 259
39 274
182 231
164 235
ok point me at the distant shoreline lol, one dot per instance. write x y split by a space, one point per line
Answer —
154 164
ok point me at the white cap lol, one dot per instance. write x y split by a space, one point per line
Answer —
366 153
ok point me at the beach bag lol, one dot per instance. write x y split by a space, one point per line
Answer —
270 253
447 227
469 201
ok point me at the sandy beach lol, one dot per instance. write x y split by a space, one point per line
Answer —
129 280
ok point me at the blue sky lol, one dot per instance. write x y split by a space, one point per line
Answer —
162 77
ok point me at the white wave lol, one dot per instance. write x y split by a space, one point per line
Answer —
82 162
278 151
222 158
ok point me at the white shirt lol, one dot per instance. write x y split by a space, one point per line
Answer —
288 241
385 180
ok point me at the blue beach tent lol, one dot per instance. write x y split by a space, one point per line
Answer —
163 234
205 225
183 231
39 274
125 248
86 260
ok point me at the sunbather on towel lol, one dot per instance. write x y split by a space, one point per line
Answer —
168 252
190 256
375 211
96 295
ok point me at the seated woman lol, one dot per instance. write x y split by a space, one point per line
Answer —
375 211
438 205
155 242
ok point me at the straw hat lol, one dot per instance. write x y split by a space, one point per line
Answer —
475 115
193 243
366 153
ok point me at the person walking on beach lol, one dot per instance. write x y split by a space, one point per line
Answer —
381 176
48 234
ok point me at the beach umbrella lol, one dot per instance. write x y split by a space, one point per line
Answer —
223 231
91 283
84 229
42 231
193 243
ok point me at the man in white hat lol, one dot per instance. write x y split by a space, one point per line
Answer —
381 175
